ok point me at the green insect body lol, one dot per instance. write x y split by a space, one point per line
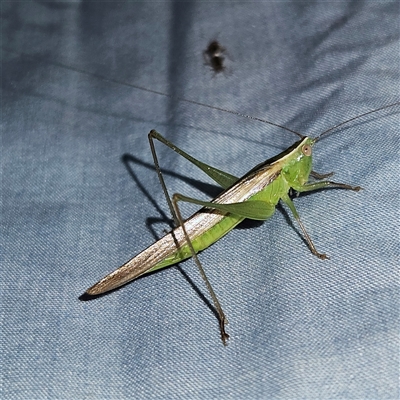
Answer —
253 196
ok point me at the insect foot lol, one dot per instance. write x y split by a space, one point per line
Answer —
224 335
322 256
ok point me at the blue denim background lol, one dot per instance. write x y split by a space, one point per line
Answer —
79 198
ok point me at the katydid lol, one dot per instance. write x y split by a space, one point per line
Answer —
253 196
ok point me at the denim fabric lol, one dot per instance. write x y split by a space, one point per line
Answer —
80 197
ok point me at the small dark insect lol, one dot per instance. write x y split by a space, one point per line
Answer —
214 56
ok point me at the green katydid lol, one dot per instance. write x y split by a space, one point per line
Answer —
254 196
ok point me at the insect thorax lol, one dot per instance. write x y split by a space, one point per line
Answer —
298 164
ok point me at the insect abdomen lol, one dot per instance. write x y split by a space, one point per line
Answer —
201 242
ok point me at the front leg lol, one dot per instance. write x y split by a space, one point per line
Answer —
287 200
319 176
310 186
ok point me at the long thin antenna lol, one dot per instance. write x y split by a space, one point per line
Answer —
234 113
356 117
115 81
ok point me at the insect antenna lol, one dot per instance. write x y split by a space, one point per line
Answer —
235 113
197 103
356 117
117 82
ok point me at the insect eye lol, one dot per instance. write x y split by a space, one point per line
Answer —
306 150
